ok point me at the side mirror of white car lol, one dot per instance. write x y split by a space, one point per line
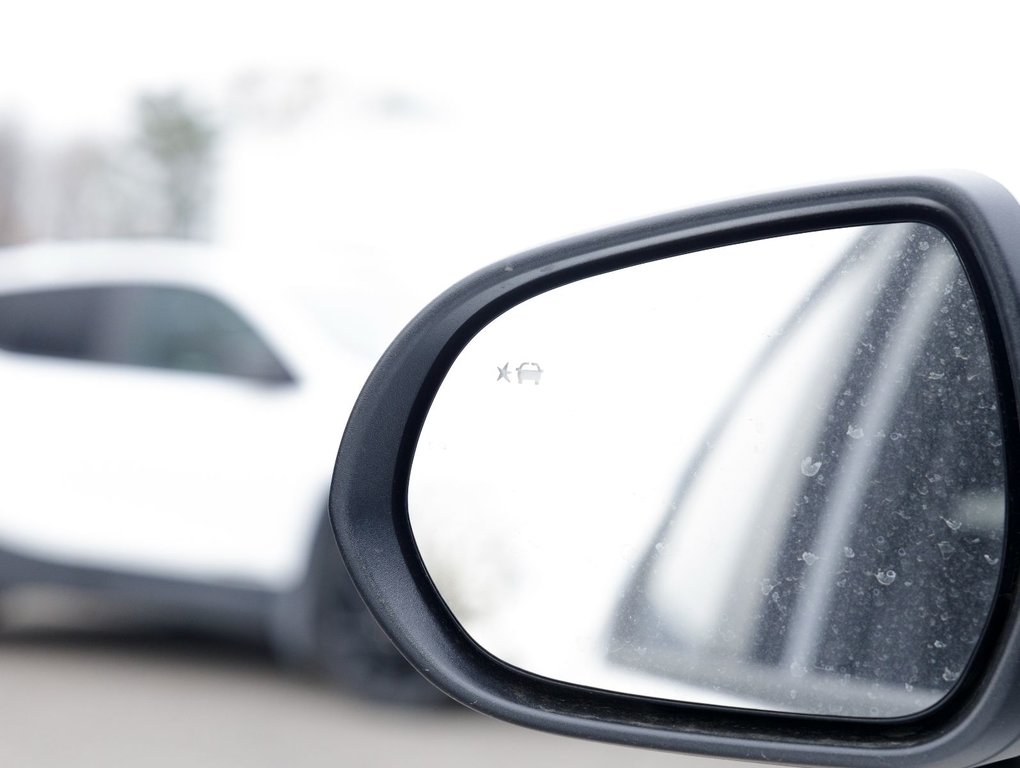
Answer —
735 481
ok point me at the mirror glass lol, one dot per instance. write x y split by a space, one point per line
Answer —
767 476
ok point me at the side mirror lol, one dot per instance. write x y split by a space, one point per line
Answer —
734 481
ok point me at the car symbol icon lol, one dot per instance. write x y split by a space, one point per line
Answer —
529 372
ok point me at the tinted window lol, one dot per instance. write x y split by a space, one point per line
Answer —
58 323
180 329
147 326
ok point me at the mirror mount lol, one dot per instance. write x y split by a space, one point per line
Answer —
368 503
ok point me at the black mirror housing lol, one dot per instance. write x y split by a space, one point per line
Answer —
974 725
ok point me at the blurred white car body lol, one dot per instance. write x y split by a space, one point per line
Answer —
170 417
199 474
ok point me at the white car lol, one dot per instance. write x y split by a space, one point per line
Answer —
170 416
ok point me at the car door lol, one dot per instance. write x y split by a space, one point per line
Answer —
141 420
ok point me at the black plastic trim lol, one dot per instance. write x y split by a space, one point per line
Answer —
974 725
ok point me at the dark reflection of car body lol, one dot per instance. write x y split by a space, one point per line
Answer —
868 585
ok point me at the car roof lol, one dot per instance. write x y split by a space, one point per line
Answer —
346 267
75 262
360 281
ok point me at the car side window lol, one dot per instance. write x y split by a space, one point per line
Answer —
164 327
184 330
55 323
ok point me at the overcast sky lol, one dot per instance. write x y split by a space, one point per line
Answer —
453 133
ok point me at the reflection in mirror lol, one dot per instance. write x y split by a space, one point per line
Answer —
768 476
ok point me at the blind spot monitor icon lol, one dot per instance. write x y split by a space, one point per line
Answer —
525 372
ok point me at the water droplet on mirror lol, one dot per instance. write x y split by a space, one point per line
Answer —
908 687
855 433
659 546
991 560
797 669
887 577
810 558
946 548
939 644
954 525
935 375
949 676
923 245
809 468
848 552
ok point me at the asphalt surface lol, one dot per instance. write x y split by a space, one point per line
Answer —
89 698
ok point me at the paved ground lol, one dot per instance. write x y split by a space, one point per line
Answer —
96 699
